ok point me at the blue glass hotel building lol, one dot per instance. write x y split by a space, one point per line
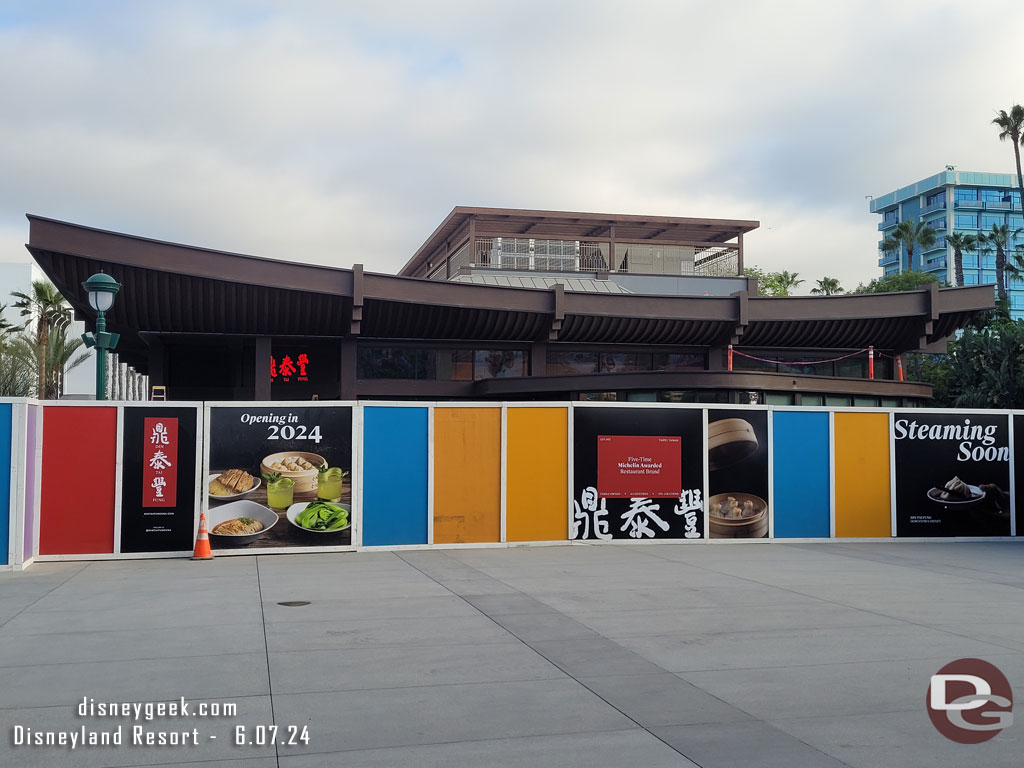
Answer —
954 201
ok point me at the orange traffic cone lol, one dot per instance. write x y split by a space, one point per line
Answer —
202 550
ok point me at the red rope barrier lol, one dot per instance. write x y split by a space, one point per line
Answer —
793 362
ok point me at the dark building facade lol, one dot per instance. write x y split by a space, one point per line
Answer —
502 305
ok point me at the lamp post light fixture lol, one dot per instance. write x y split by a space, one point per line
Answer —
101 289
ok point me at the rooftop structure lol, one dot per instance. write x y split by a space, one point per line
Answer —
214 325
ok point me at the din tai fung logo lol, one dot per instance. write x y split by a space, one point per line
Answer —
969 701
289 368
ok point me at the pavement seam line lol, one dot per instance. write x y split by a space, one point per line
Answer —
266 653
46 594
613 642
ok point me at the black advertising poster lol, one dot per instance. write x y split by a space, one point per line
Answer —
158 479
952 474
737 474
1018 468
638 473
265 485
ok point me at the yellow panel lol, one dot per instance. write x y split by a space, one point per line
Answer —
862 475
537 484
467 475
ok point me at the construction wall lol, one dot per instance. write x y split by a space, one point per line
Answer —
83 483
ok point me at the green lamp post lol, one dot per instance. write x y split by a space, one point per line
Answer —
101 289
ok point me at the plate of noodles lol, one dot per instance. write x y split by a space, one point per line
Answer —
239 522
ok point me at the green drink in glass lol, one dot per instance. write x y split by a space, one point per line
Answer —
280 491
329 483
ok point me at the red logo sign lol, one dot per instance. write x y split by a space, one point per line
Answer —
160 462
288 369
633 466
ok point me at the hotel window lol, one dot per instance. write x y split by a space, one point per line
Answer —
988 277
965 194
937 197
988 260
891 216
992 195
1015 222
971 259
966 221
989 220
970 278
1013 196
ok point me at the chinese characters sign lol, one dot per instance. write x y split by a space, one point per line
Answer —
289 369
639 466
638 474
159 480
160 470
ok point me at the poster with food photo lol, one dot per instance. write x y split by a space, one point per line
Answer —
737 474
279 476
638 473
952 474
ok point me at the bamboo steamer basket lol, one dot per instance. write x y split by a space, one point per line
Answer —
730 441
304 480
755 527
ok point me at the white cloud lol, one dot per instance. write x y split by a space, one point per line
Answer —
343 133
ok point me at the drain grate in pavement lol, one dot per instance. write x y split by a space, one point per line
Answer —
294 603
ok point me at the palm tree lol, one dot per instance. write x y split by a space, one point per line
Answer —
1012 126
828 286
961 243
997 239
910 234
785 281
47 306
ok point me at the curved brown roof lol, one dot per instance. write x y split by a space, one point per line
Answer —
172 288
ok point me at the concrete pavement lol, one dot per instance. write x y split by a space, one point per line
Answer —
716 655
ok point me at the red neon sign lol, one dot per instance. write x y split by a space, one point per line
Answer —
288 369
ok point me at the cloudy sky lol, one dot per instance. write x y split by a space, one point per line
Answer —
342 132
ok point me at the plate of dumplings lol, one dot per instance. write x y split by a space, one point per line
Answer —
300 466
956 491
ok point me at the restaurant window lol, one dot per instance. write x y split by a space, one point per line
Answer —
561 363
840 400
678 362
499 364
454 365
865 402
812 400
439 364
624 362
890 402
598 396
778 398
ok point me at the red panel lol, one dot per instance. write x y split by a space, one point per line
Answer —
632 466
77 500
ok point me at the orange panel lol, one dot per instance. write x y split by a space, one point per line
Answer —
467 475
537 482
862 475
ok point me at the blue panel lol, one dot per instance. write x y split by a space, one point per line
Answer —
394 476
6 410
801 471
